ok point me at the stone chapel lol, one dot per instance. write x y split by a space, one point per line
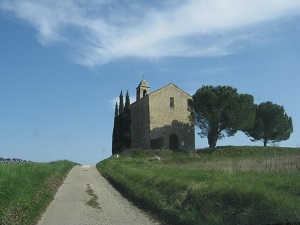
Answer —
160 119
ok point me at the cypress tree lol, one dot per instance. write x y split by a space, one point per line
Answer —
115 135
121 131
114 138
127 122
116 110
121 104
127 102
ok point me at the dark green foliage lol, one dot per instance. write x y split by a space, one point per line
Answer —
116 135
220 111
121 132
126 130
272 124
116 110
126 122
121 104
127 102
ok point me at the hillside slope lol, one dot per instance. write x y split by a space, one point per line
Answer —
230 185
26 189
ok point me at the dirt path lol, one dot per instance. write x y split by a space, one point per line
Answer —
70 203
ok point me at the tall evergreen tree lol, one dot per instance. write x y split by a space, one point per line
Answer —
121 131
115 136
116 110
126 122
121 104
127 102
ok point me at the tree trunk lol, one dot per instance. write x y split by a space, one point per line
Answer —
212 138
265 142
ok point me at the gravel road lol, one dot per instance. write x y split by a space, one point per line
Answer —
69 206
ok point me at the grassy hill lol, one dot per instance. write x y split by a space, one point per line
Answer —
229 185
26 189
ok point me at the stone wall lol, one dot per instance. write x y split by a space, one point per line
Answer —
161 120
169 115
140 128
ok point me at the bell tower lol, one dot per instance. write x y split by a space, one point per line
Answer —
142 90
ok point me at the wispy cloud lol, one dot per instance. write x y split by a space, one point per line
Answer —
100 31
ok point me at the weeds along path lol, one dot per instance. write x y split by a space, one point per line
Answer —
86 198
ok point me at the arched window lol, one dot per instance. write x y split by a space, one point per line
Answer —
144 93
172 105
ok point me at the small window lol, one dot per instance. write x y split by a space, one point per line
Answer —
144 93
172 102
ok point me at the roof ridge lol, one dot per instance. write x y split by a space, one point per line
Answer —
169 85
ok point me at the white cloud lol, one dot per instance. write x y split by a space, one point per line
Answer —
103 30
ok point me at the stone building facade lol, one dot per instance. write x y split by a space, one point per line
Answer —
160 119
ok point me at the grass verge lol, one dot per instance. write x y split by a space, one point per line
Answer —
180 190
93 201
26 189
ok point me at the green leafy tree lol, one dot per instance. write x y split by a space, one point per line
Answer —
272 124
220 111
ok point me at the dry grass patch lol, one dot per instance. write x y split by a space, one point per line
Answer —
290 163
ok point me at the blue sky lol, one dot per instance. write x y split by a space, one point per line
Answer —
63 64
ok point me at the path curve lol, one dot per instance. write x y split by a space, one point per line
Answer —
69 206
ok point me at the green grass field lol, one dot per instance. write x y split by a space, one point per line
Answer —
230 185
26 189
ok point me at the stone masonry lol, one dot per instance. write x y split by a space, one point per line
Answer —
161 119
